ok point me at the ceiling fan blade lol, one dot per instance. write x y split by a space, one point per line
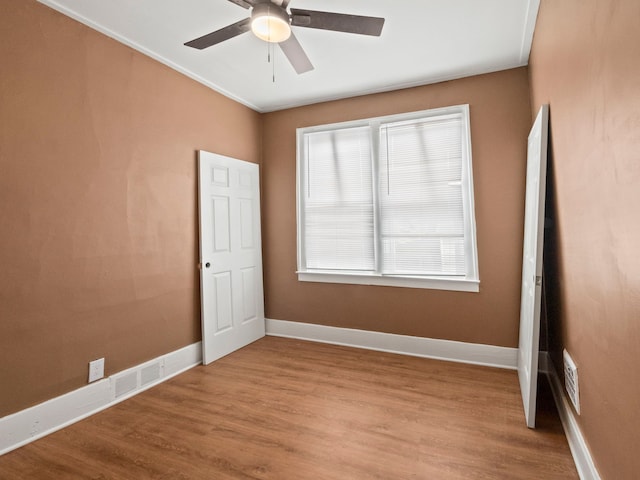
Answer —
296 55
338 22
221 35
243 3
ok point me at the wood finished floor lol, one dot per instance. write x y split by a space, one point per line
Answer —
286 409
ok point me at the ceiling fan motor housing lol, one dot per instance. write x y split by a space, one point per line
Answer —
270 22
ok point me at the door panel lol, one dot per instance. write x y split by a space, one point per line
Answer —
248 294
532 264
221 227
223 301
230 255
246 223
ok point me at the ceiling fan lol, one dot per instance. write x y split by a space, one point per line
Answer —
271 22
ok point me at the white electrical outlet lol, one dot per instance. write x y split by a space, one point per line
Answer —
96 370
571 384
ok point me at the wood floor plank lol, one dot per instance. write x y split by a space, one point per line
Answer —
284 409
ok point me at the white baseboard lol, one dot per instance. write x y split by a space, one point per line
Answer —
35 422
581 455
474 353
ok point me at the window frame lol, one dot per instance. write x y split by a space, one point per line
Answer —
469 283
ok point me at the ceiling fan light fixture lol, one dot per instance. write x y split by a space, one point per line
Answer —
270 23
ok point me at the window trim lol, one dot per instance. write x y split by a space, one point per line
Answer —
469 283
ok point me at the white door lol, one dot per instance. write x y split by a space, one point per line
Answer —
532 264
230 255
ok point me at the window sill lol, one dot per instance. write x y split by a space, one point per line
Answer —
433 283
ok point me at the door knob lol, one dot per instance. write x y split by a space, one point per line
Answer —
207 265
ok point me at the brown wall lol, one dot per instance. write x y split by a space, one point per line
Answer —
98 230
500 121
586 64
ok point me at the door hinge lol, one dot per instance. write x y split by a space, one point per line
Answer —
538 280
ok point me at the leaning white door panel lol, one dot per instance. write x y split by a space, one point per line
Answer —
532 264
230 255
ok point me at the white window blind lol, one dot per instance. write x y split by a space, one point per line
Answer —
338 200
420 195
388 201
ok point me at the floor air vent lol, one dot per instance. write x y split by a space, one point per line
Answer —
125 383
149 374
571 380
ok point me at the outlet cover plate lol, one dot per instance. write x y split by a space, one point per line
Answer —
96 370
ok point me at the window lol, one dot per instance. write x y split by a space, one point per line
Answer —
388 201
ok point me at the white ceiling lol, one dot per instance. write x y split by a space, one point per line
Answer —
423 41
